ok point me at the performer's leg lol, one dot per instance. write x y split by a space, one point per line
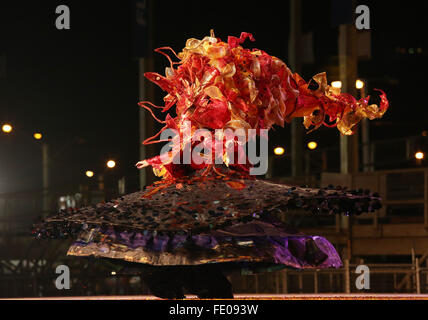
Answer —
164 282
207 281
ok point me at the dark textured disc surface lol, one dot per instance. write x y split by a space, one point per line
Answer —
205 204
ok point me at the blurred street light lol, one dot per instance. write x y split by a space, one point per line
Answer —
37 136
7 128
111 164
419 155
89 174
359 84
312 145
279 151
336 84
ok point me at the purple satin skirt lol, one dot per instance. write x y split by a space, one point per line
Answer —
245 243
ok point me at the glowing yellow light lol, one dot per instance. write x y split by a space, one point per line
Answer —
37 136
7 128
113 273
419 155
89 174
111 164
312 145
279 151
359 84
336 84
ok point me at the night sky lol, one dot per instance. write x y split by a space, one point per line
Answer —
79 87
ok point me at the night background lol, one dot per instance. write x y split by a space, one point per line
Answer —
80 89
